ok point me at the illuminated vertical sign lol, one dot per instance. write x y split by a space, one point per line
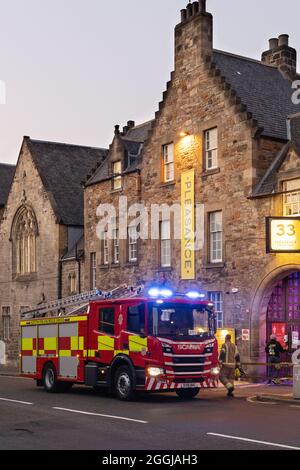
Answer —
188 225
283 235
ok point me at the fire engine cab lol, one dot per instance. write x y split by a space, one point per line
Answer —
127 340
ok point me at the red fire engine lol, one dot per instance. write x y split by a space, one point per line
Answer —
126 340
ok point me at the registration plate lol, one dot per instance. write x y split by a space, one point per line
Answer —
189 385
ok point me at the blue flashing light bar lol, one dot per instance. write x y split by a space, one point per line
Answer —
194 295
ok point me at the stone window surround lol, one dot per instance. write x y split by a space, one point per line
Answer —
6 315
208 209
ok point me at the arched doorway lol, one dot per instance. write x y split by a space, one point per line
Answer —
283 313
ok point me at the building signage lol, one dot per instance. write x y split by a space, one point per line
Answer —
279 330
188 225
245 335
283 235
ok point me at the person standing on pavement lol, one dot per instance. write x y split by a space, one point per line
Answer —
229 360
273 350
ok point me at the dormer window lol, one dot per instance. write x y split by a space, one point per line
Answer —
291 200
117 171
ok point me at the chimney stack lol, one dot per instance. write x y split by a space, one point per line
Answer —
282 56
193 35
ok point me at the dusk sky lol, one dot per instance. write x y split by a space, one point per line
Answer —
73 68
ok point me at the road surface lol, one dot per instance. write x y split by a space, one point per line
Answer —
32 419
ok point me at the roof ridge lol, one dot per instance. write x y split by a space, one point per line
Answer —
66 144
141 125
8 164
249 59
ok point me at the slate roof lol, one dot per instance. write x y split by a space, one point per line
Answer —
133 142
262 88
62 168
6 178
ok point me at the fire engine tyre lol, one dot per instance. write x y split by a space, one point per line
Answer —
123 385
187 393
50 382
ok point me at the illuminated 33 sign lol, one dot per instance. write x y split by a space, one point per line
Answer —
283 235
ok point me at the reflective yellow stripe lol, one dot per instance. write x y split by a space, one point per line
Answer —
41 352
65 353
126 353
92 353
137 344
81 343
106 343
74 343
27 344
52 321
50 344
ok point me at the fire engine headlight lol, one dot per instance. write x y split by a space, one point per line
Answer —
155 371
215 371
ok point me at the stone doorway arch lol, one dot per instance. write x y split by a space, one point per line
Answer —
259 307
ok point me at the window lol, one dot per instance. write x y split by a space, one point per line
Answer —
117 180
216 237
136 319
107 321
168 163
105 248
217 299
211 149
132 244
116 247
93 271
291 200
165 244
72 283
24 234
6 323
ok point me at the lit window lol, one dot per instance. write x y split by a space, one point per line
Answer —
116 247
168 162
93 271
217 299
117 180
132 244
6 323
216 237
291 200
165 243
211 149
72 283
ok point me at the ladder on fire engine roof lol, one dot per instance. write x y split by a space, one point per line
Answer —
79 302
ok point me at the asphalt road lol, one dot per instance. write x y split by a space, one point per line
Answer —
32 419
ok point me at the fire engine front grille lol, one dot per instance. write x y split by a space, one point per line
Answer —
188 369
188 360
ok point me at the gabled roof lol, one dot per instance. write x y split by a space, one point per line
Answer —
62 168
6 178
133 143
268 184
262 88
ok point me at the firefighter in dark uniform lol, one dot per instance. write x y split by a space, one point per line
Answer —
273 350
229 360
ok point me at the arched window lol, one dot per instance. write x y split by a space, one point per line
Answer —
24 235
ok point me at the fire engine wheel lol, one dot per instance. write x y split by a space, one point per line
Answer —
50 382
187 393
123 384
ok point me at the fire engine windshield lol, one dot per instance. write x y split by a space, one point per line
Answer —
181 320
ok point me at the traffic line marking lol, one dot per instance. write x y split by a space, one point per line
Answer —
16 401
253 441
254 401
100 415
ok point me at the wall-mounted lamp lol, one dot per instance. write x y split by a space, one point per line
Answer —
184 134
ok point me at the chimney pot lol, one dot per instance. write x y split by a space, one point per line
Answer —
202 4
183 14
130 124
195 8
273 43
189 9
283 40
117 129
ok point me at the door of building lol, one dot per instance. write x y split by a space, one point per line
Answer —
284 312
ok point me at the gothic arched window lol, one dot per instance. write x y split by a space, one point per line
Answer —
24 236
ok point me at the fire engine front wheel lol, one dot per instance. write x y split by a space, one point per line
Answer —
123 384
187 393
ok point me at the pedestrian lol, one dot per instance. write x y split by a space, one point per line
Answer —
273 351
229 360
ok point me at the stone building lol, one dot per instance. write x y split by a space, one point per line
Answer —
224 119
42 223
6 177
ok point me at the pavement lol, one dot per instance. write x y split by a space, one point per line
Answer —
82 419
